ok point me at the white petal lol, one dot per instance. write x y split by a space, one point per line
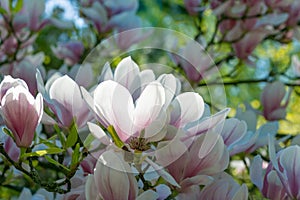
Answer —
114 103
126 72
187 107
149 105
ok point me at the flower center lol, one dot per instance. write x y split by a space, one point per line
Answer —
140 144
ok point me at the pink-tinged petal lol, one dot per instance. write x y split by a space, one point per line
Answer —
241 194
129 37
126 72
83 75
202 125
157 130
67 97
162 172
114 103
97 14
22 113
189 193
168 153
256 172
149 105
11 148
268 129
248 43
99 133
290 162
233 130
9 82
170 84
211 153
140 82
187 107
196 180
106 73
271 99
34 9
113 177
91 192
273 187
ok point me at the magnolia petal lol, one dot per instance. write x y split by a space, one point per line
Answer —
256 172
149 105
99 133
126 72
147 195
241 194
187 107
106 73
169 82
114 104
163 173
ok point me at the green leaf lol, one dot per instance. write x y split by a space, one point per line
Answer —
61 136
18 6
54 162
75 155
43 152
47 142
115 137
8 132
72 137
3 11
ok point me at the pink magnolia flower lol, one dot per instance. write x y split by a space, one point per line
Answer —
97 14
195 62
232 131
192 164
244 47
224 187
64 98
9 82
113 177
271 98
31 14
70 52
281 178
10 147
22 113
115 106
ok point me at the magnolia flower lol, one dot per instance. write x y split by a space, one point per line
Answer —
271 98
9 82
70 52
232 131
195 62
22 113
63 96
113 177
115 106
10 146
281 178
224 187
244 47
192 164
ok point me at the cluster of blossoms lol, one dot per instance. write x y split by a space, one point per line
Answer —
148 140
